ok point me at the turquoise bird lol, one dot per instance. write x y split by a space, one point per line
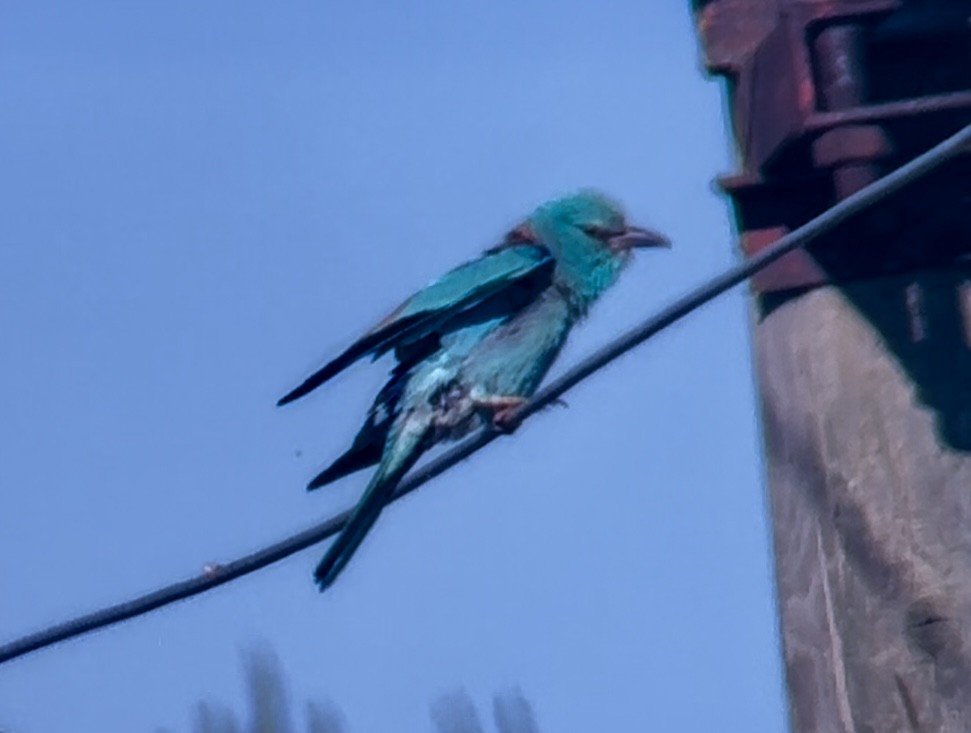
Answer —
472 346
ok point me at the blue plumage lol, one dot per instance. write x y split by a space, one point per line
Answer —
474 344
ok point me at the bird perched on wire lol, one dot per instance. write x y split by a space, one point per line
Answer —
472 346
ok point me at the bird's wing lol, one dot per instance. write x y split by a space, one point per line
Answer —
426 311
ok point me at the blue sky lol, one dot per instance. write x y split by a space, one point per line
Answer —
204 200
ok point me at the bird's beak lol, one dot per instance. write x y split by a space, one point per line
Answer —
633 237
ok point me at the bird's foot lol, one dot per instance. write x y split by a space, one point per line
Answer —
504 409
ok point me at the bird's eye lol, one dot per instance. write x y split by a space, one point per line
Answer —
597 232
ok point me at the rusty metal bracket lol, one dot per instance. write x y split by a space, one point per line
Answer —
825 97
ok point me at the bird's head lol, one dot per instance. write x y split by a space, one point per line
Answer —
590 238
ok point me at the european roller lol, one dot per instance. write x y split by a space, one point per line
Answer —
472 346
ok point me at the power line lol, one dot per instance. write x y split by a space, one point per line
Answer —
923 164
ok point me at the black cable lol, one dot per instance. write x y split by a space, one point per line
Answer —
957 143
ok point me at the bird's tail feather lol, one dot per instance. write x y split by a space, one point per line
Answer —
358 456
404 449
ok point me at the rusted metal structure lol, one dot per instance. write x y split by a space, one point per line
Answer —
826 94
862 346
